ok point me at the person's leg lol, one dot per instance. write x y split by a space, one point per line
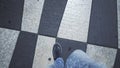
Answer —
79 59
59 63
57 51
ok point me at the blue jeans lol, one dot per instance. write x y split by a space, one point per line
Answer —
77 59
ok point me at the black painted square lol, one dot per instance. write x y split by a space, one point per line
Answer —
11 13
51 17
103 23
117 61
24 51
68 46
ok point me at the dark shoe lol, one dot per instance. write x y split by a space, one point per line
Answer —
57 51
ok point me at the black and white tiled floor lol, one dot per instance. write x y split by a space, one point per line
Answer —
29 28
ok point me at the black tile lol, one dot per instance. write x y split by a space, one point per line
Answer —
51 17
11 13
117 61
24 51
103 23
69 46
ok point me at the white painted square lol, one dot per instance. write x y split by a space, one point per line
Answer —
118 12
32 15
8 39
75 21
43 52
102 55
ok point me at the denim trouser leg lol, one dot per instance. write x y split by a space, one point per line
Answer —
79 59
59 63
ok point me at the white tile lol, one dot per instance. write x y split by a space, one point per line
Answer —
8 39
32 15
118 12
75 21
102 55
43 52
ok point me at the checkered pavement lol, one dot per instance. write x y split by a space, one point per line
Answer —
29 29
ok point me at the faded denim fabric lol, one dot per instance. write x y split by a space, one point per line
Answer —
77 59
